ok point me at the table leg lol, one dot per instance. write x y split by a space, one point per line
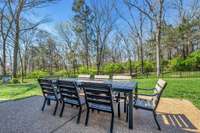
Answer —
130 111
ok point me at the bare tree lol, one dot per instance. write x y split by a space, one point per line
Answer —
67 34
128 47
137 31
16 9
154 11
102 26
6 22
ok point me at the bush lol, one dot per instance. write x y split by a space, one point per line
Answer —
15 80
193 61
136 65
148 66
177 64
38 74
62 73
84 70
113 68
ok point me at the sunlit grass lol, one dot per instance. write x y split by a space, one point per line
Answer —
18 91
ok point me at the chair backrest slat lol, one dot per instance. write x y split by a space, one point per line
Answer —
97 93
48 92
68 90
64 95
97 101
84 76
46 86
97 90
101 77
159 88
121 77
160 85
101 97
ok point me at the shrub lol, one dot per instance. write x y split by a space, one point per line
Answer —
126 66
15 80
177 64
148 66
193 61
62 73
38 74
84 70
111 68
136 65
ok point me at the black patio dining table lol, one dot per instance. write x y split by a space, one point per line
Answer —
118 86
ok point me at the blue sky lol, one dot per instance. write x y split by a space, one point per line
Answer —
56 13
59 12
62 11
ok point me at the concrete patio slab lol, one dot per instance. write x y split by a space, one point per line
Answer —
25 116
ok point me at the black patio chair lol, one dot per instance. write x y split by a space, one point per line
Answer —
50 93
98 97
70 95
150 102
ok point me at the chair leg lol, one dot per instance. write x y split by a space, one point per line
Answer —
87 117
79 115
124 102
48 102
127 113
112 122
61 112
155 118
119 114
44 104
118 101
54 113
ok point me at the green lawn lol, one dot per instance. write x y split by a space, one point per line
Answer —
18 91
177 88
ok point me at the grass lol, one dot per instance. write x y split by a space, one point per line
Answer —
179 74
18 91
181 88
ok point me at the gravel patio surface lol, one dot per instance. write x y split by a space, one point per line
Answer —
25 116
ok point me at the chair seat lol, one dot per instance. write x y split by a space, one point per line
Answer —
53 97
100 107
144 103
74 102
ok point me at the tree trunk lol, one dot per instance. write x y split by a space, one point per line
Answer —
4 58
158 50
16 41
158 36
86 47
22 67
130 67
16 48
141 55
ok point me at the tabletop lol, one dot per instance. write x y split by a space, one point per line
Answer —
122 86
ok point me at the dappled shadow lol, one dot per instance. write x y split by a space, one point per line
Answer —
179 121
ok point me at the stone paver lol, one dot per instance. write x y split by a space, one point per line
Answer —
25 116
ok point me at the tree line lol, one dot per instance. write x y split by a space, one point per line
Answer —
103 35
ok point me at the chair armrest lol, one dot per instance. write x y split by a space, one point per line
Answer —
151 95
147 89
